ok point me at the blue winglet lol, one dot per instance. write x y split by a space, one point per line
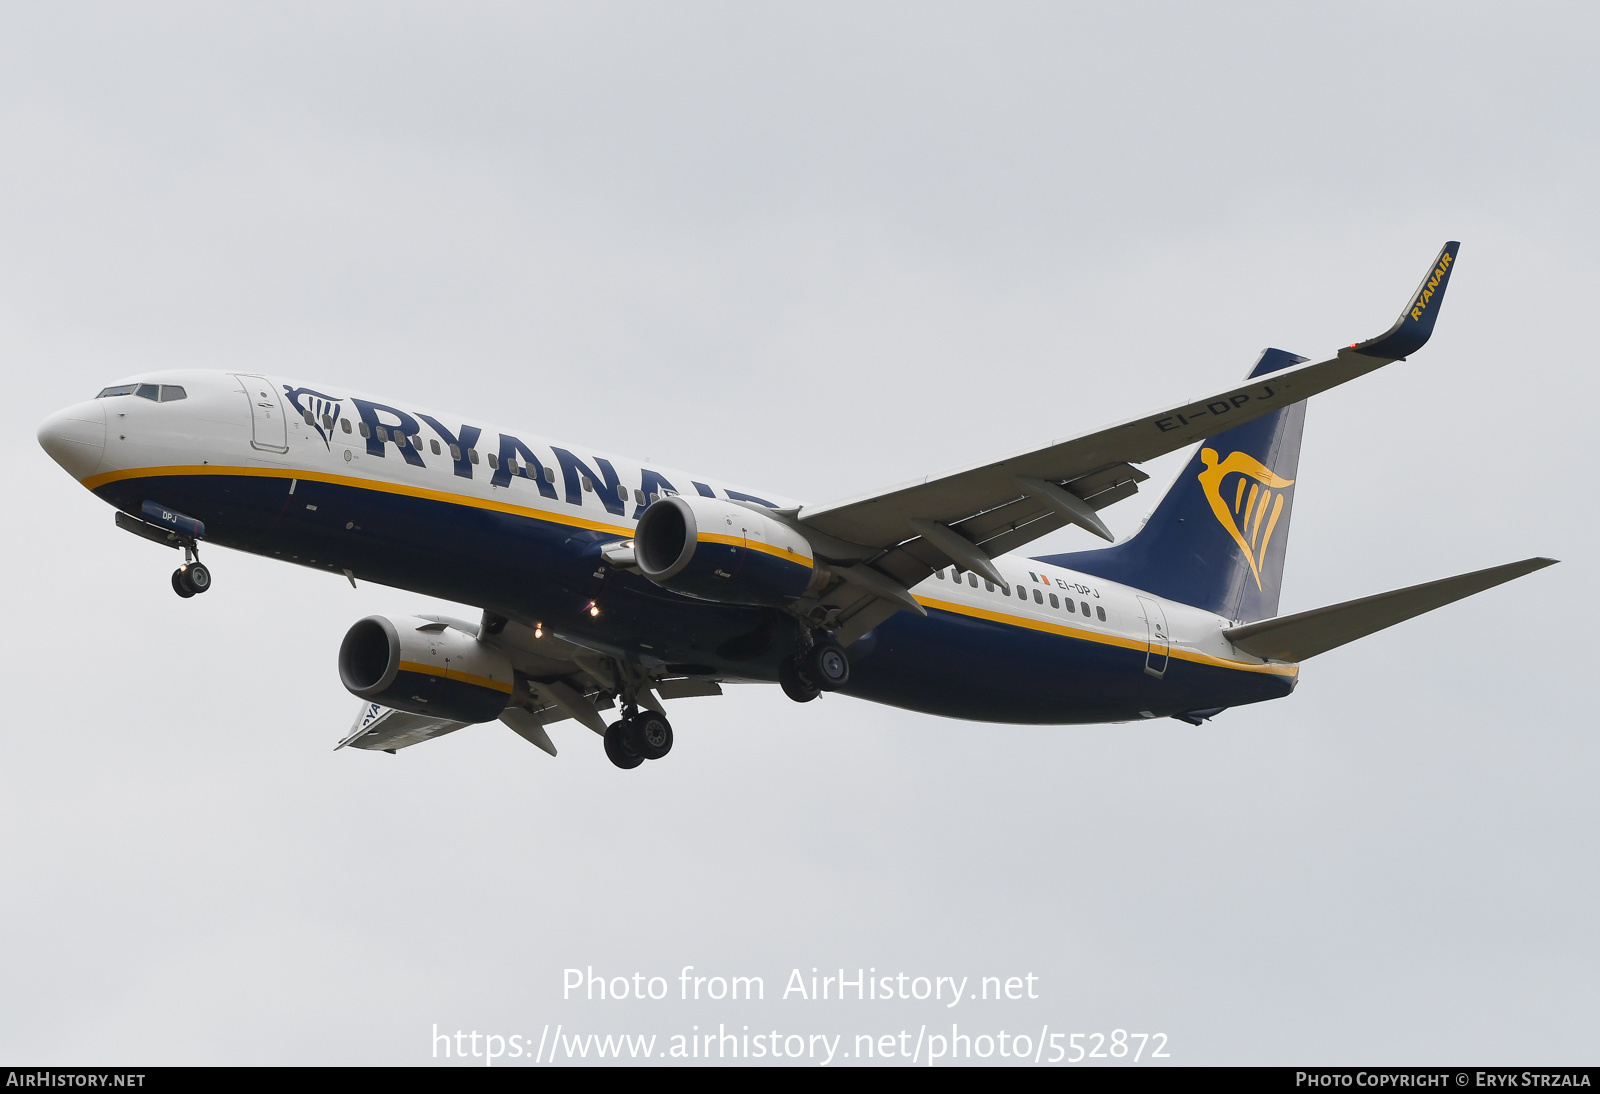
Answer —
1415 325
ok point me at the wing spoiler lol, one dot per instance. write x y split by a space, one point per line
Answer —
1306 634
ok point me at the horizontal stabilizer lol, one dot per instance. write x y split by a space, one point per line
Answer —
1306 634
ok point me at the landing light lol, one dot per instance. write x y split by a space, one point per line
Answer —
594 609
538 630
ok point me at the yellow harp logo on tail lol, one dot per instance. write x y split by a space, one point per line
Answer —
1250 516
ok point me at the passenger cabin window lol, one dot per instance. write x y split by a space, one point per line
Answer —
588 484
434 446
344 424
622 492
988 586
472 454
550 474
455 452
365 432
1085 606
939 574
1072 607
1037 597
493 466
1054 603
309 419
1100 613
972 579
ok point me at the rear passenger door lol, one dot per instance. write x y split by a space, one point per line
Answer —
1159 647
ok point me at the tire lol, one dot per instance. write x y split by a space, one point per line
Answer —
650 734
618 750
827 667
180 584
199 577
795 686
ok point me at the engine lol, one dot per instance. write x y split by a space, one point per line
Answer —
425 667
718 550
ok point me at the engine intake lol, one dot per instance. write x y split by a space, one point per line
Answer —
425 667
718 550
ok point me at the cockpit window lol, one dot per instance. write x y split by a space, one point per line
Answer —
156 393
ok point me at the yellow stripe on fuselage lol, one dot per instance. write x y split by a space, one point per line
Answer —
94 482
1103 639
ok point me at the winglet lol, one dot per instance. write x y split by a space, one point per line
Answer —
1415 325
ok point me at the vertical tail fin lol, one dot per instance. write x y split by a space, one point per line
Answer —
1217 538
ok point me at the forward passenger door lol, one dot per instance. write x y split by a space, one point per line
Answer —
269 431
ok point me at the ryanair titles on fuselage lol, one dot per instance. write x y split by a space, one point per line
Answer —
382 425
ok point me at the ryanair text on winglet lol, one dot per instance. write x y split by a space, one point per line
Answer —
1430 285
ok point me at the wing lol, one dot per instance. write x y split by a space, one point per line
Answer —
971 515
558 677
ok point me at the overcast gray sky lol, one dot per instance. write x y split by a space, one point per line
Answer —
816 248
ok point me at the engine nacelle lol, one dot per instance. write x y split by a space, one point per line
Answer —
718 550
425 667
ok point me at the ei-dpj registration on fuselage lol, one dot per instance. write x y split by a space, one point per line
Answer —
610 584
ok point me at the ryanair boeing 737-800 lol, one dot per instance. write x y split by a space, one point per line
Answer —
608 584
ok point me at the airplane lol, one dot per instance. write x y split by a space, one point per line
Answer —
606 583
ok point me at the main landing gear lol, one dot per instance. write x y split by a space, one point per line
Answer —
644 735
823 667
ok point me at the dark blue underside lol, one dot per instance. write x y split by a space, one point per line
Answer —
540 571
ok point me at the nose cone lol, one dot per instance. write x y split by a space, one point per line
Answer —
76 438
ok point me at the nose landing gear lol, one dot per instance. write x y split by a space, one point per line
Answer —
190 578
193 576
173 530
